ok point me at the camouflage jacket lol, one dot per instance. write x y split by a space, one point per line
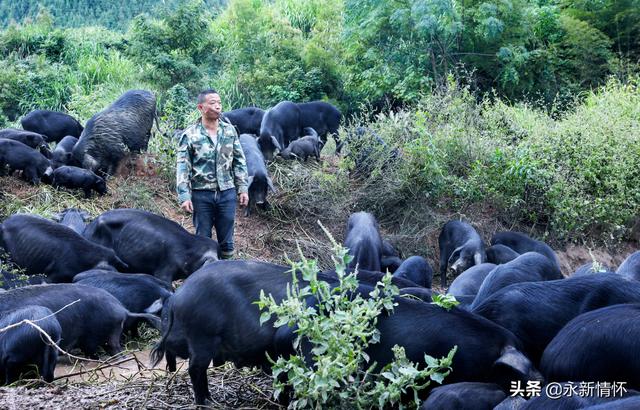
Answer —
203 163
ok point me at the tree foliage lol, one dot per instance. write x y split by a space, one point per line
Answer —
77 13
619 20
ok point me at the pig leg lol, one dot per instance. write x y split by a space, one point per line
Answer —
49 364
443 269
199 360
171 361
31 175
247 211
113 343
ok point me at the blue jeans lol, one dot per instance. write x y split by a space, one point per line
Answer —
215 208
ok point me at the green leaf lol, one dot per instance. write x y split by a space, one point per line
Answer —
437 377
264 317
445 301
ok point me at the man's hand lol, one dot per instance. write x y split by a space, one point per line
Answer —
244 199
187 206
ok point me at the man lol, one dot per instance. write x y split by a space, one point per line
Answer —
211 167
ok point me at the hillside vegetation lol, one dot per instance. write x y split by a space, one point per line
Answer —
107 13
527 115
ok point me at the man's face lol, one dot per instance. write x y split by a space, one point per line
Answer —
211 107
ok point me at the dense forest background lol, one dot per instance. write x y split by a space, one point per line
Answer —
528 108
354 52
113 14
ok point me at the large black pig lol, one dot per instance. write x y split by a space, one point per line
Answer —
522 243
151 244
17 156
55 125
460 248
41 246
174 343
124 125
322 117
213 318
363 240
280 125
601 345
528 267
95 320
246 120
23 347
259 182
486 352
138 292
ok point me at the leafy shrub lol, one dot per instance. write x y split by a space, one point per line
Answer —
592 159
569 175
178 107
172 47
164 146
37 38
32 83
339 327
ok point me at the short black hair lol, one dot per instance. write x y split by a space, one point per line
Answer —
204 93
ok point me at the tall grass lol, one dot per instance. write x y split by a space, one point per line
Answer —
80 71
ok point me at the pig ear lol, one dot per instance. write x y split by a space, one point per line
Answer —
479 257
250 180
270 183
155 307
275 143
513 361
455 255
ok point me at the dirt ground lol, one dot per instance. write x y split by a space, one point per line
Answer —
130 384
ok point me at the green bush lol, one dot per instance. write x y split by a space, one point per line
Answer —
178 108
37 37
339 327
173 47
163 146
32 83
574 175
570 175
592 161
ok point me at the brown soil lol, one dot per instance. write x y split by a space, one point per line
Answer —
134 386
